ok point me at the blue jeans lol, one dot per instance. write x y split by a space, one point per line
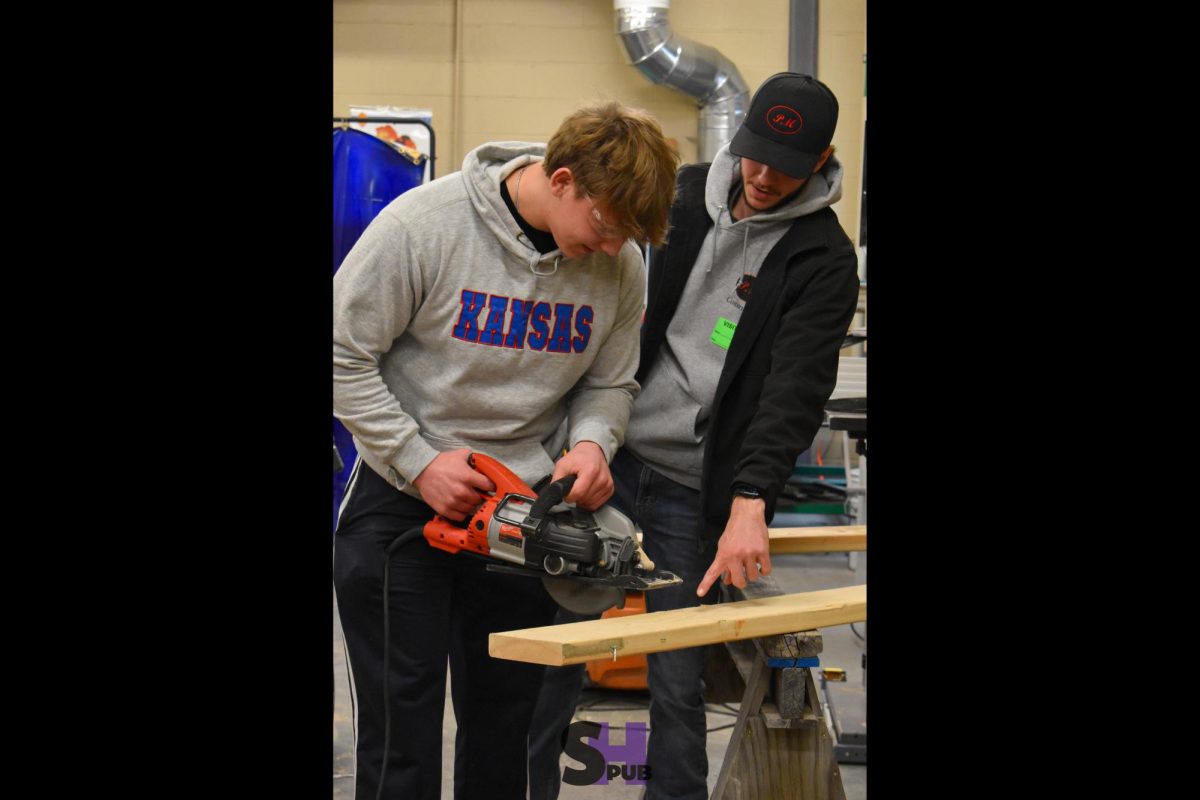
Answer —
669 516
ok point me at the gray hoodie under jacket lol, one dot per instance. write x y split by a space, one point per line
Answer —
670 419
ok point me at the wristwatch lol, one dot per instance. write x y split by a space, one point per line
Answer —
747 490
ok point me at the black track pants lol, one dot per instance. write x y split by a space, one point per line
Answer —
443 607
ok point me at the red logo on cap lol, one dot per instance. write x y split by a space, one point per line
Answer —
784 119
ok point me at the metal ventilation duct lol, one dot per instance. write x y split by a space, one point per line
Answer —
695 69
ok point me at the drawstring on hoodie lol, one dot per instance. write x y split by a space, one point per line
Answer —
533 262
745 240
536 257
712 252
712 255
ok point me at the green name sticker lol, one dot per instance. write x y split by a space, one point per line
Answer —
722 334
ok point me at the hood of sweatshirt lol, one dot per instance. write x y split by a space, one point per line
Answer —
820 191
483 170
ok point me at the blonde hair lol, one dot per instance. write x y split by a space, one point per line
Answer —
618 155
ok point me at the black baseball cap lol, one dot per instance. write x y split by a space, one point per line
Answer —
790 123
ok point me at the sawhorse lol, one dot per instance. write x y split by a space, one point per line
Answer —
780 746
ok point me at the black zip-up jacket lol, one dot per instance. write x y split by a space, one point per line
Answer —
782 364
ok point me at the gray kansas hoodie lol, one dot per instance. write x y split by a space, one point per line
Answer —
445 336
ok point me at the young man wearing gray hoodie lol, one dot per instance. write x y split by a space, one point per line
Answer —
748 305
495 310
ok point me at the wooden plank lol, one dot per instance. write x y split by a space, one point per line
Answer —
821 539
798 644
801 644
577 642
811 715
787 689
817 539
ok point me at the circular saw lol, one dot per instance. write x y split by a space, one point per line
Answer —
587 560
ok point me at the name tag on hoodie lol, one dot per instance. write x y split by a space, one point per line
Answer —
722 334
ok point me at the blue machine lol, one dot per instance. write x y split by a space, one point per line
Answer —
367 175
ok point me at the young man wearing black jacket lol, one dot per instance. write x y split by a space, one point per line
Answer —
748 305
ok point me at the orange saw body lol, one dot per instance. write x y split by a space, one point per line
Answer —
473 534
587 559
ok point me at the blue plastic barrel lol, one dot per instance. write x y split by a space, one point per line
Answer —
367 175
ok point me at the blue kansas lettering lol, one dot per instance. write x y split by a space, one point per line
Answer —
516 328
560 342
541 314
528 323
493 331
583 326
467 328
